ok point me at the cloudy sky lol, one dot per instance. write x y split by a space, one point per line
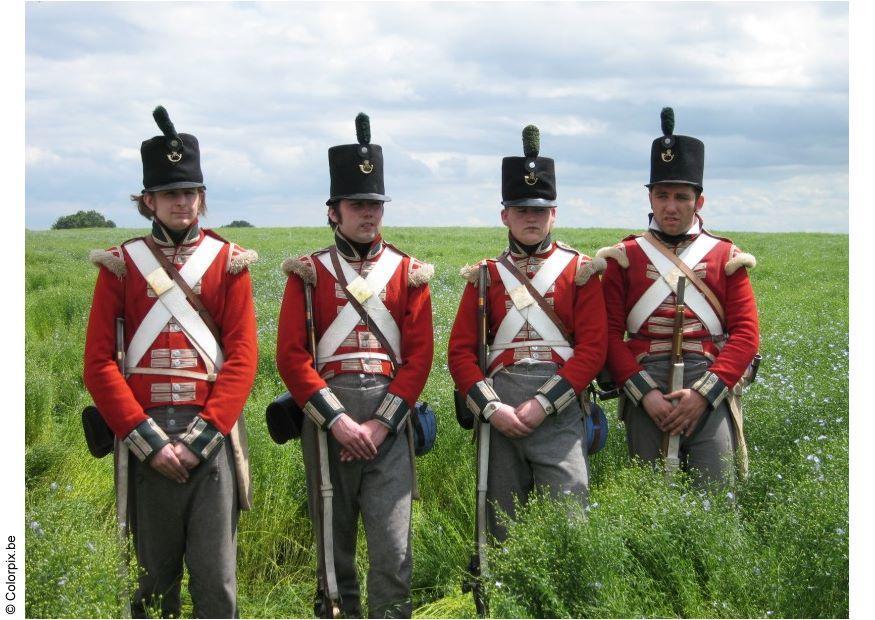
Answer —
267 88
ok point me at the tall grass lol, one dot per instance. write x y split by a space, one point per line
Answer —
779 548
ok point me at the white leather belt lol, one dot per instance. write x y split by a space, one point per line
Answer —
667 284
355 355
367 291
532 313
173 304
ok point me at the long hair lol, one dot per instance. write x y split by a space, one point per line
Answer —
147 213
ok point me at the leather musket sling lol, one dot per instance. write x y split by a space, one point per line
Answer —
542 303
691 275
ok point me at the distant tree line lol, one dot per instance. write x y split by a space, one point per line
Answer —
93 219
83 219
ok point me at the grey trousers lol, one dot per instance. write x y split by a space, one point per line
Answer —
381 491
707 453
551 459
195 522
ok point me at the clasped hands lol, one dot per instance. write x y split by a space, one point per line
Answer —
519 422
358 441
174 461
679 418
362 441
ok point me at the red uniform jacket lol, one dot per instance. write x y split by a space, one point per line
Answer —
408 299
629 274
122 291
576 298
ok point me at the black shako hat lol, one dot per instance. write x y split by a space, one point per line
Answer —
171 161
357 169
676 159
528 181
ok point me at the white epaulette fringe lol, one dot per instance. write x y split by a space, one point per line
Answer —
302 267
110 260
419 273
617 252
587 267
471 273
741 259
240 259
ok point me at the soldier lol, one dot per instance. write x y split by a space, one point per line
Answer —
547 342
373 329
720 328
188 372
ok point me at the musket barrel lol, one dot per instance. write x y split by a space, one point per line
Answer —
482 434
120 474
120 344
311 324
677 348
482 318
671 443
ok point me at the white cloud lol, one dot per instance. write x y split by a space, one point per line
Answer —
267 88
34 156
128 154
571 126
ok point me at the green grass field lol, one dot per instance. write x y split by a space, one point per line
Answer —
644 549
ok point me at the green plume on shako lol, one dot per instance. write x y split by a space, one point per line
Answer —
531 141
667 118
363 128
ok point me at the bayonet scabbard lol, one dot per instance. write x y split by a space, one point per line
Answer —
331 596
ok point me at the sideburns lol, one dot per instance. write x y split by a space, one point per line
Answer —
335 207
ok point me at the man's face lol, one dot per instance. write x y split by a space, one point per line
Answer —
175 208
360 220
674 206
529 225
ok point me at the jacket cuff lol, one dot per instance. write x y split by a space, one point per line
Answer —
638 385
559 391
480 395
712 388
202 438
146 439
323 408
545 403
392 412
